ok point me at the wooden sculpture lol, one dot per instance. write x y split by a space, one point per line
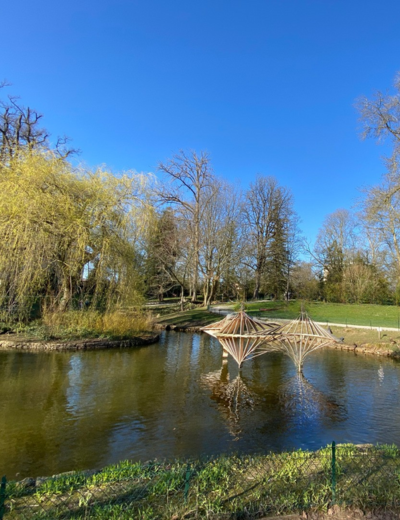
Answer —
244 338
241 335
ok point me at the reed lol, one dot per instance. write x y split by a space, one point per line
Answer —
88 323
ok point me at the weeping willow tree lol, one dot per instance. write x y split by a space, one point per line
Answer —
67 231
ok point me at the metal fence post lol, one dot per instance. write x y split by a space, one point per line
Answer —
2 496
333 473
187 483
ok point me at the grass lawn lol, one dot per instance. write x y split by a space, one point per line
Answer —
353 314
194 318
388 340
234 486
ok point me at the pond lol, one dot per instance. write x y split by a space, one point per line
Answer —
84 410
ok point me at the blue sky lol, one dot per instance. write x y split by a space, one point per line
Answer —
265 86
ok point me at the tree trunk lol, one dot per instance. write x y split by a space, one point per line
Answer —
196 262
182 297
66 296
257 286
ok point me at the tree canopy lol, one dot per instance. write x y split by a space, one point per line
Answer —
67 233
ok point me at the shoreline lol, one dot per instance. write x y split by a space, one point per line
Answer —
31 345
364 348
77 344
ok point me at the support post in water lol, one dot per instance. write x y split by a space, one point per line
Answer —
333 473
2 497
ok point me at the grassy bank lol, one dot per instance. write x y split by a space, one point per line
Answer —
354 314
187 319
244 486
82 324
362 337
389 341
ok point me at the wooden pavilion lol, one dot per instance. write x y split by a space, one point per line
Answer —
244 337
298 339
240 335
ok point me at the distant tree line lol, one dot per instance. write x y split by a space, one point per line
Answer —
71 236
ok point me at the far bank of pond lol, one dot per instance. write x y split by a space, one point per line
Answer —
176 398
11 342
367 341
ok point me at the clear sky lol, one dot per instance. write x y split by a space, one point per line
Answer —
265 86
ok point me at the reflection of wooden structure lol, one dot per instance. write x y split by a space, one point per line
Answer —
233 398
241 335
301 399
299 338
244 337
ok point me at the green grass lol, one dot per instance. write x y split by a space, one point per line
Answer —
389 340
354 314
193 318
223 487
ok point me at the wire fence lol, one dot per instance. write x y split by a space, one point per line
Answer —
234 486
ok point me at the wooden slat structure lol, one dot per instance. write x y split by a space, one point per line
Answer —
298 339
241 335
244 337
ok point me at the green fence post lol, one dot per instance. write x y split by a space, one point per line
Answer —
333 473
2 496
187 483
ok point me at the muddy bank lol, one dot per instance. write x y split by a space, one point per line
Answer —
340 513
368 348
82 344
180 328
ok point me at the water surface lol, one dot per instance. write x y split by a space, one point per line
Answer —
80 410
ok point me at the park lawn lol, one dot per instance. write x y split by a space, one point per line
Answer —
389 340
186 319
352 314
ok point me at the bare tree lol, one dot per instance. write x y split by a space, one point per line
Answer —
220 237
190 189
338 230
304 281
20 127
167 250
381 212
266 206
380 117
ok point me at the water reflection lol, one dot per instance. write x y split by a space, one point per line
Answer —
233 397
79 410
302 400
299 401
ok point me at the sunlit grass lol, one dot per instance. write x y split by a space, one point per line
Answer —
192 318
231 486
353 314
